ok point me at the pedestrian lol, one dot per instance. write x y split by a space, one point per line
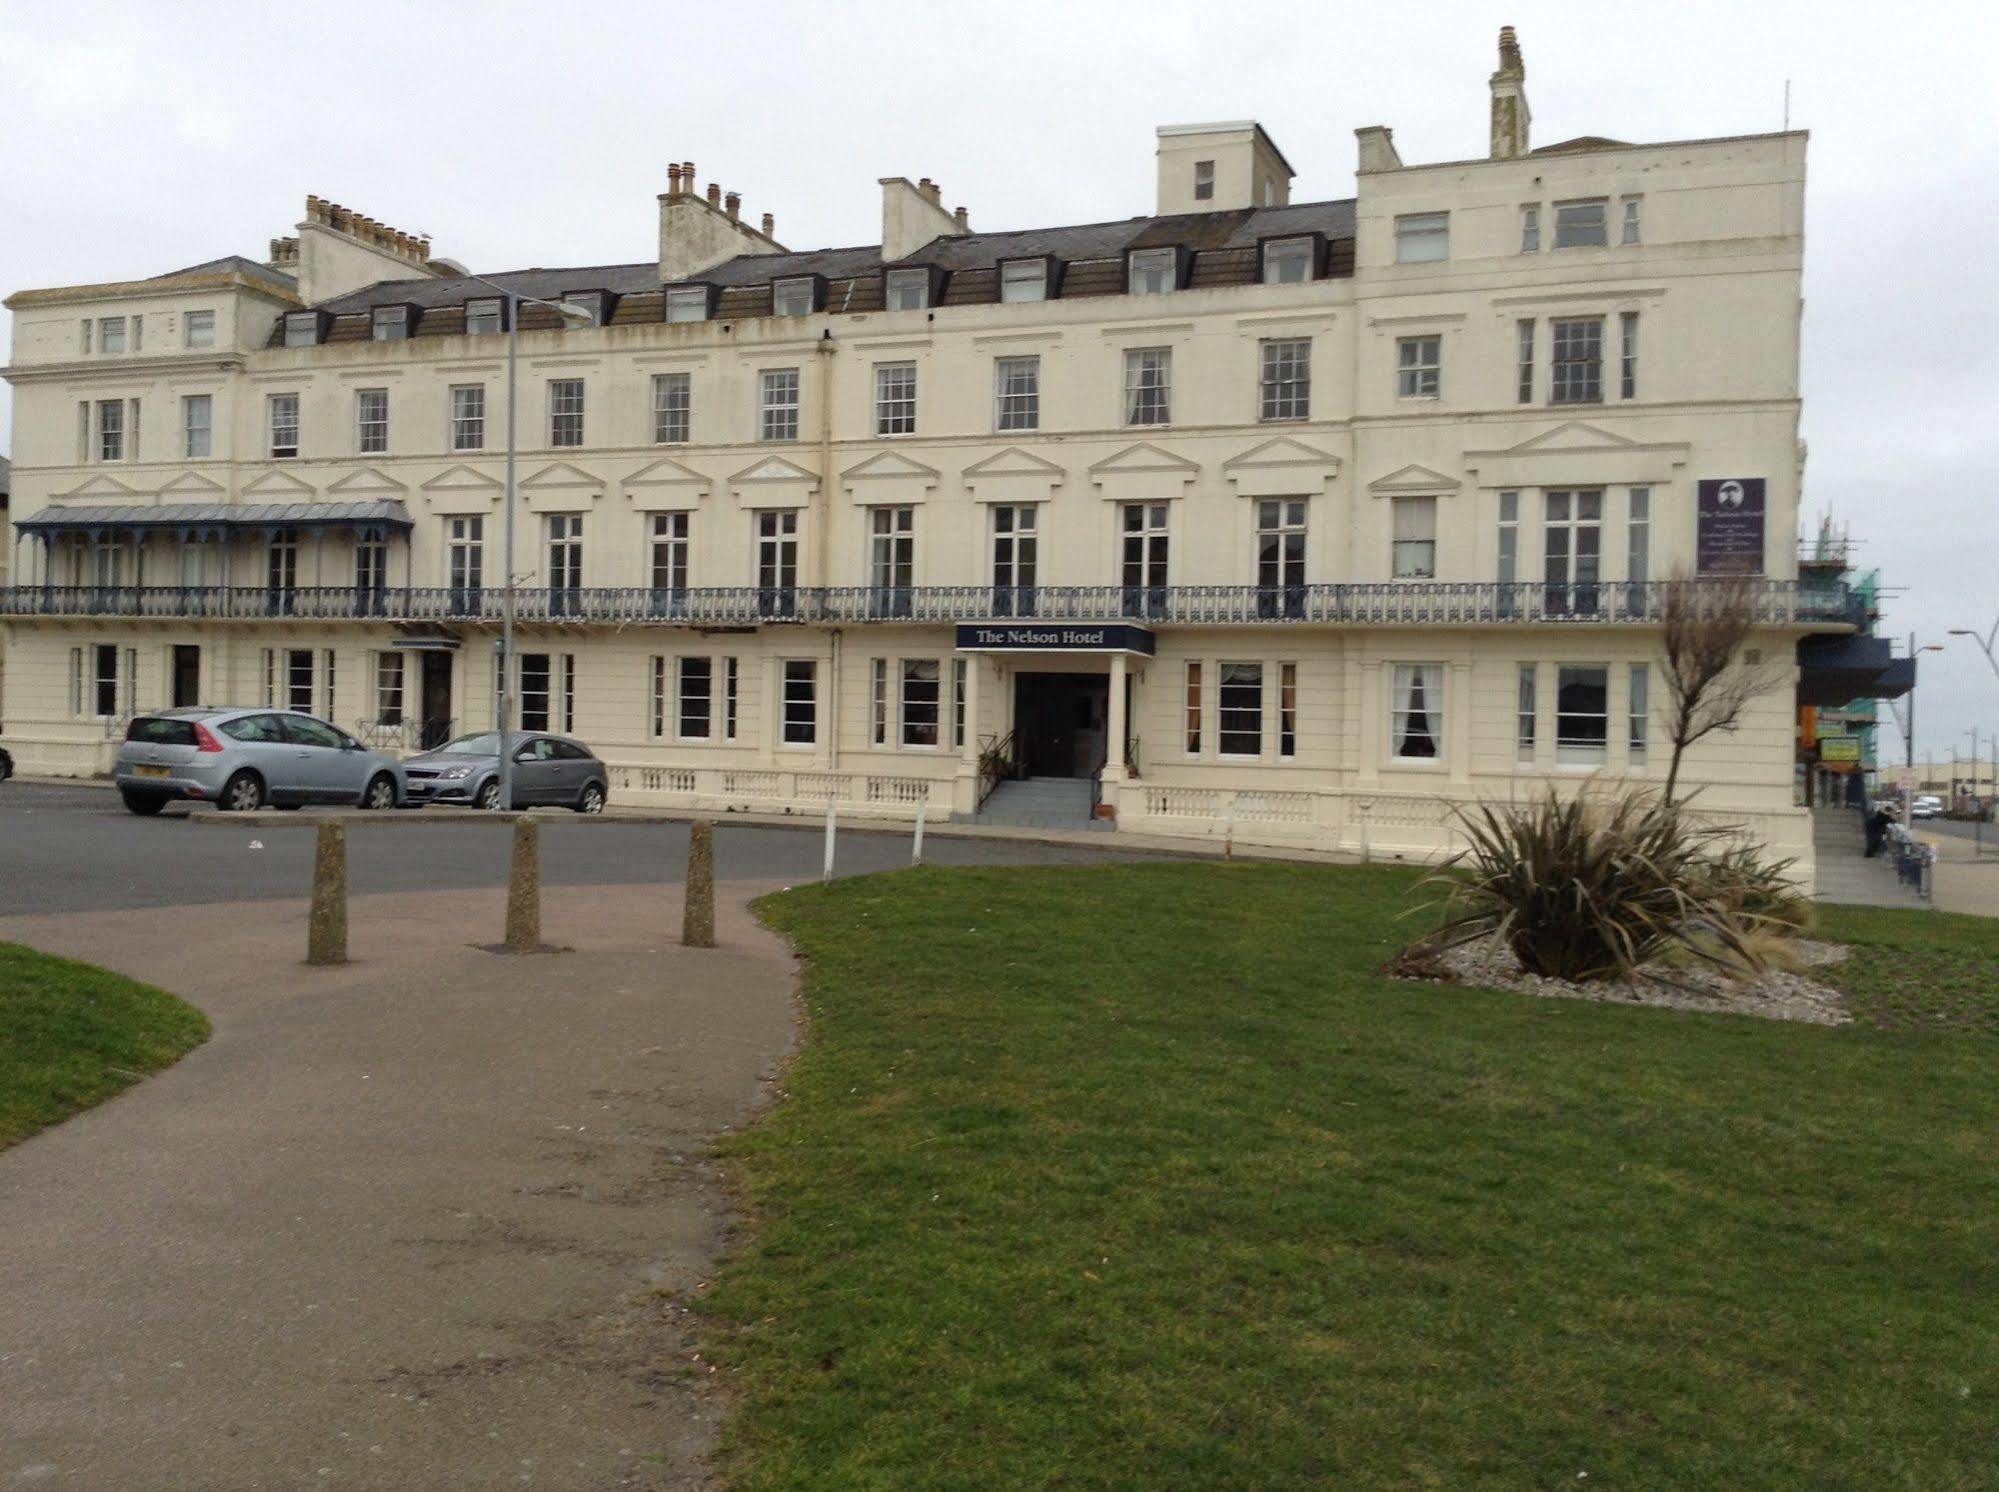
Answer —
1877 828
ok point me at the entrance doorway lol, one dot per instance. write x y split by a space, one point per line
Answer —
1060 723
436 699
187 675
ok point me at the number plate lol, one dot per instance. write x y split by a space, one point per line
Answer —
144 771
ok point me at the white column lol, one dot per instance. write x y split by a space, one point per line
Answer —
965 782
1114 748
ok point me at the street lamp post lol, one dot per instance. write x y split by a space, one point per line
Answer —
1985 643
1909 720
576 316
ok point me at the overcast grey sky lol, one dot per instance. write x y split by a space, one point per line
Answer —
141 137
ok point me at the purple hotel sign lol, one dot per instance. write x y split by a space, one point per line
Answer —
1730 540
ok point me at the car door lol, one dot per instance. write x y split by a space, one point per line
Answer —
324 762
534 773
575 765
261 745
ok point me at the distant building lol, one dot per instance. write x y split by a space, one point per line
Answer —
1304 521
1842 678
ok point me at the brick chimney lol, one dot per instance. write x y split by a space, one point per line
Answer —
1510 114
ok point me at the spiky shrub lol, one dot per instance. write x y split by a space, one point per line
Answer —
1590 887
1761 894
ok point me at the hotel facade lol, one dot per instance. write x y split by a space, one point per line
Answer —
1299 522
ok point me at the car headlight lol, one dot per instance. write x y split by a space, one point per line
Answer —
456 774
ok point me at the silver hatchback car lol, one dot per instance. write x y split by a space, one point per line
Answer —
550 770
245 758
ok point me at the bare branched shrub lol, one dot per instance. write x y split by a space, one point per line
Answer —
1707 684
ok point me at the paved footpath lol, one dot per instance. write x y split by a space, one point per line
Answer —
418 1222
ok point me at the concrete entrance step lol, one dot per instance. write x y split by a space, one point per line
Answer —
1041 803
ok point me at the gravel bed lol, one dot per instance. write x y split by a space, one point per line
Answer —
1776 994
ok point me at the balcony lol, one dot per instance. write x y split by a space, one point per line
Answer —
1811 602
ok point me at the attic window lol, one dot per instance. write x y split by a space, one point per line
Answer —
390 323
1152 271
791 297
1204 181
483 318
590 300
1422 237
1287 261
1024 280
907 289
302 329
1581 225
687 303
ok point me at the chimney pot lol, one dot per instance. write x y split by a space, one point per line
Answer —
687 175
770 223
964 220
673 179
714 195
733 204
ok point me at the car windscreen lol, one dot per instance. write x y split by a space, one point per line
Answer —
485 743
155 730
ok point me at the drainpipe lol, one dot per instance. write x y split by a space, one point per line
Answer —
823 540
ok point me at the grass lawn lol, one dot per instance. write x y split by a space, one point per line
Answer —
71 1035
1137 1176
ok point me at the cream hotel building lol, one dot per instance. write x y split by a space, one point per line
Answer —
1297 521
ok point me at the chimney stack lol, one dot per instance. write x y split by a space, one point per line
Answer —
964 220
1510 114
714 195
732 204
770 226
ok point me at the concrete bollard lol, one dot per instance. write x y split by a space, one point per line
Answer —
326 926
826 871
697 925
916 845
524 888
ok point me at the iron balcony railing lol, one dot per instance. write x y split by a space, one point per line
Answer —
1349 603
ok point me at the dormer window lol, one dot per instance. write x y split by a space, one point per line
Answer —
1024 280
1422 237
1204 181
791 297
907 290
484 318
390 324
1287 261
1152 271
687 303
302 329
596 302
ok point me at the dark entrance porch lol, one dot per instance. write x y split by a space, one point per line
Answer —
1060 723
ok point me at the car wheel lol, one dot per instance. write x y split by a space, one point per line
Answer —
242 793
143 804
592 800
488 795
381 792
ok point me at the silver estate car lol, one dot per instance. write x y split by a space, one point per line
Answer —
245 758
548 770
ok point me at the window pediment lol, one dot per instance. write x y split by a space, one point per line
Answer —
1413 478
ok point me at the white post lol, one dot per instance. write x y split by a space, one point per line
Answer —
1228 829
916 848
826 874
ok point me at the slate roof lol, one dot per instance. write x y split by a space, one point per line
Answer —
385 512
1206 232
235 264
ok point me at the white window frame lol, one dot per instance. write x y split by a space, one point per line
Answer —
1287 711
686 303
1239 692
567 398
1422 237
798 704
670 552
391 685
485 316
688 670
1627 354
1204 181
1526 712
1413 554
198 330
1638 539
389 324
1284 389
1023 280
778 404
1419 366
1576 378
1582 223
1638 713
1148 386
371 422
468 417
301 329
1154 271
1281 253
672 408
792 296
111 334
910 705
1530 227
1192 709
895 398
1401 701
1017 407
1588 749
906 290
197 437
112 444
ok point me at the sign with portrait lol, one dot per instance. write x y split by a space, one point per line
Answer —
1730 538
